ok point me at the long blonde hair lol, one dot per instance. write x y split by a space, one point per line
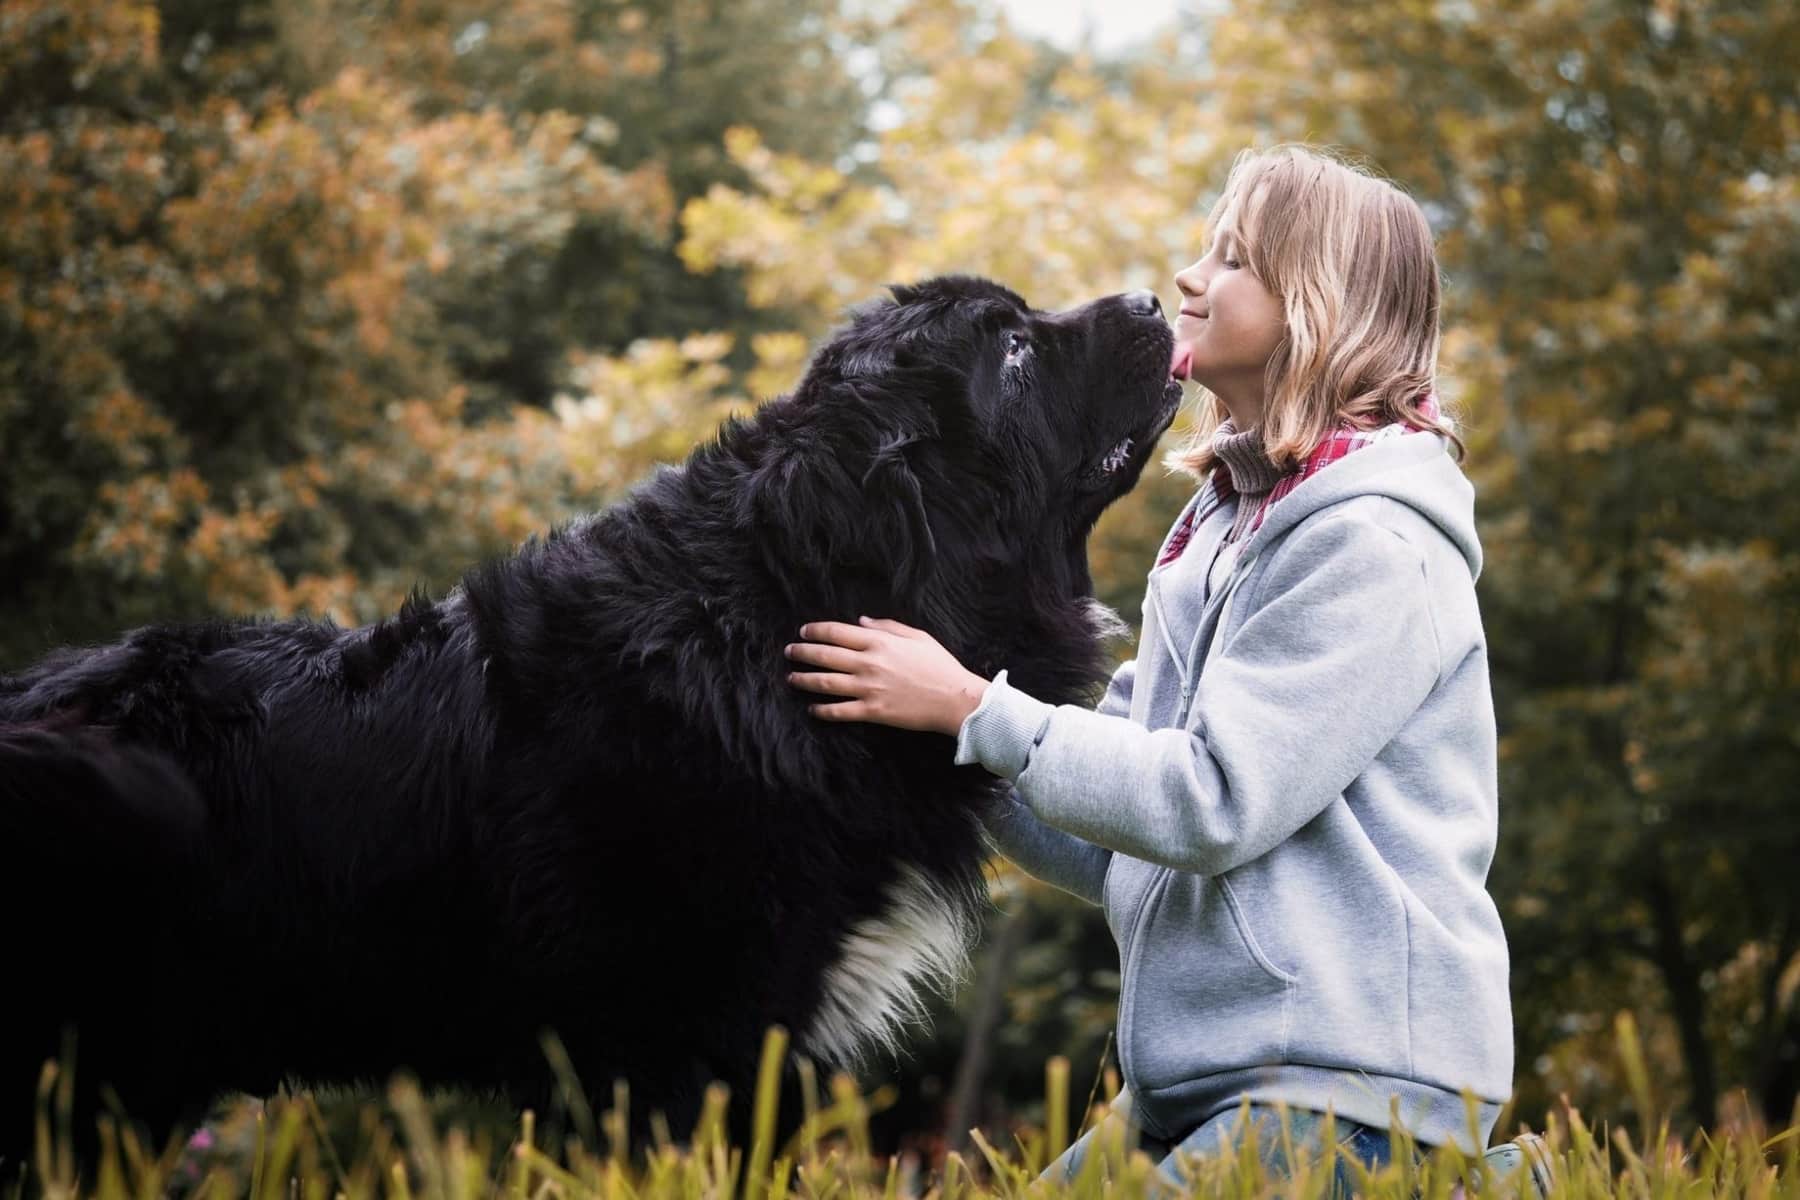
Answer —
1349 258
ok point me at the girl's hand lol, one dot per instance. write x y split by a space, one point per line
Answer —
891 673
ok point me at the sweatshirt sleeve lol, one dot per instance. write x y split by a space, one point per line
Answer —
1043 851
1300 700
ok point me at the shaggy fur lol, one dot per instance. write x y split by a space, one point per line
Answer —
577 794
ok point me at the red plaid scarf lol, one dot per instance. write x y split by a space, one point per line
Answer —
1345 439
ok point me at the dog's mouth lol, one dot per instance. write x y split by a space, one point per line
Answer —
1120 456
1151 380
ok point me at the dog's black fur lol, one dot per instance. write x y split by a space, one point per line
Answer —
577 793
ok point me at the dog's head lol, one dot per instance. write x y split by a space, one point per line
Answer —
943 460
995 428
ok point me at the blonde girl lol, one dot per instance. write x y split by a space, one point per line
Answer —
1286 802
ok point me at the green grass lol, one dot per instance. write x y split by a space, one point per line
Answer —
300 1148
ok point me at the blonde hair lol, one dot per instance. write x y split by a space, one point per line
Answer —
1349 257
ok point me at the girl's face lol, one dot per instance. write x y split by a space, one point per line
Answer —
1228 329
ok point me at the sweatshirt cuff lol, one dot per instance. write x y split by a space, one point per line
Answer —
1003 730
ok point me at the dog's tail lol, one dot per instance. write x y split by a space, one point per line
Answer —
97 839
100 846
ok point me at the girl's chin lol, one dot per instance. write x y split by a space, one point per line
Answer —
1197 365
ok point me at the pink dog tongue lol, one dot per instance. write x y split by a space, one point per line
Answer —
1179 363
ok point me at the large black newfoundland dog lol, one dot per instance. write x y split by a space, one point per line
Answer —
576 794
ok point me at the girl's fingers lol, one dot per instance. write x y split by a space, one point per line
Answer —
827 683
893 627
822 654
839 634
848 710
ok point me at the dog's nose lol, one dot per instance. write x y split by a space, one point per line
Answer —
1143 303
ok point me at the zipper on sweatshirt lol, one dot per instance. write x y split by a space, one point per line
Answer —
1190 682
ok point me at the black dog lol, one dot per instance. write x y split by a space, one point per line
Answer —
577 794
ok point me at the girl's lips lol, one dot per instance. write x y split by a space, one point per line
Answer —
1189 323
1180 361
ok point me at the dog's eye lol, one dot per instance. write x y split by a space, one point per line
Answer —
1016 346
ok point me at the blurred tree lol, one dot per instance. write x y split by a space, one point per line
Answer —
286 291
219 383
655 85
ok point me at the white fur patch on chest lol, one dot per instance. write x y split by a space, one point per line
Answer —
1105 621
886 965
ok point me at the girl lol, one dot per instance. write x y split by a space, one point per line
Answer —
1287 802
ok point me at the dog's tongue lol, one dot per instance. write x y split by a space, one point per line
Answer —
1181 361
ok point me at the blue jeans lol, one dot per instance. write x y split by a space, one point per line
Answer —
1223 1134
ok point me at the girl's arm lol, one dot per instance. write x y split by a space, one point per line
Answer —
1046 852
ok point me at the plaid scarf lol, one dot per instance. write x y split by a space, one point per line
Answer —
1342 441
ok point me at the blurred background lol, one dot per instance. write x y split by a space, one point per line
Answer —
303 302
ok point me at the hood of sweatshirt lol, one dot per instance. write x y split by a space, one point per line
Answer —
1414 469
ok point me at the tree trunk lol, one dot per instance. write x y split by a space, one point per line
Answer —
1778 1082
984 1017
1685 998
1780 1087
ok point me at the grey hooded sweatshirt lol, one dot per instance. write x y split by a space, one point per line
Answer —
1287 806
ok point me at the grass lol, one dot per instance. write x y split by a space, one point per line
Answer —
295 1148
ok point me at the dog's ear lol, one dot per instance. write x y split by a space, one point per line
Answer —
808 520
883 334
903 524
875 357
861 362
808 501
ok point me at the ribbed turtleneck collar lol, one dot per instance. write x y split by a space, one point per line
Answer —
1252 474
